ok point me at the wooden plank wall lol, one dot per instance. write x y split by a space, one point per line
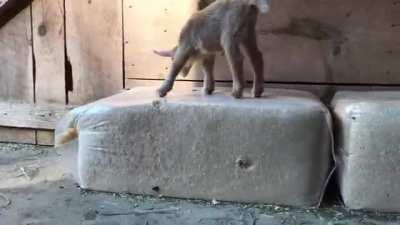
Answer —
152 28
16 71
16 67
314 41
53 55
94 48
312 44
48 38
62 52
59 53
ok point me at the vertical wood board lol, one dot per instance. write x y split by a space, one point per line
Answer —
16 68
94 48
149 25
48 39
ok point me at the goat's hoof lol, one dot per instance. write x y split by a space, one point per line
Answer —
208 91
257 92
162 92
164 89
237 94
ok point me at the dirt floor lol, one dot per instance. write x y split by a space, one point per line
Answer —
37 188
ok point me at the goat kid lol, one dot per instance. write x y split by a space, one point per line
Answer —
223 26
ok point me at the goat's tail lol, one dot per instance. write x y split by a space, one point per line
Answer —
66 137
171 54
166 53
67 132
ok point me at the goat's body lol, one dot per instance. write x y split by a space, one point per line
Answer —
207 29
222 26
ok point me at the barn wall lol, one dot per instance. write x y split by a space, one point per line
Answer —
313 41
57 53
94 49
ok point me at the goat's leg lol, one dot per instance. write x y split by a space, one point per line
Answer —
207 66
235 62
180 59
257 62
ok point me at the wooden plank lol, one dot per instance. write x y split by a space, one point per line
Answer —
16 70
48 38
341 41
16 135
152 24
45 137
31 116
331 41
10 8
94 48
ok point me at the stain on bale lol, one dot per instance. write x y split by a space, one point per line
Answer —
91 215
243 163
156 189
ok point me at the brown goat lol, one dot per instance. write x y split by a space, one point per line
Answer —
223 26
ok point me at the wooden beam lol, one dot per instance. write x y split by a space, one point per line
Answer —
17 135
10 8
45 137
26 136
30 115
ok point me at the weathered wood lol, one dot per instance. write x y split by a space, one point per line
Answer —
45 137
94 47
48 38
10 8
352 42
16 135
332 41
30 116
325 92
152 24
16 70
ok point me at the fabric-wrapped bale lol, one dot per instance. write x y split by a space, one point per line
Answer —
367 148
276 149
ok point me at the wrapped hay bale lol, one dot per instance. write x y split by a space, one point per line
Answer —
276 149
368 149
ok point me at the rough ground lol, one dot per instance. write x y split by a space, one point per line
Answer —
37 188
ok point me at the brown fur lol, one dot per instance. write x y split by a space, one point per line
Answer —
222 26
66 137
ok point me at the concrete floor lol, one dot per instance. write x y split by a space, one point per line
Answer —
37 188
